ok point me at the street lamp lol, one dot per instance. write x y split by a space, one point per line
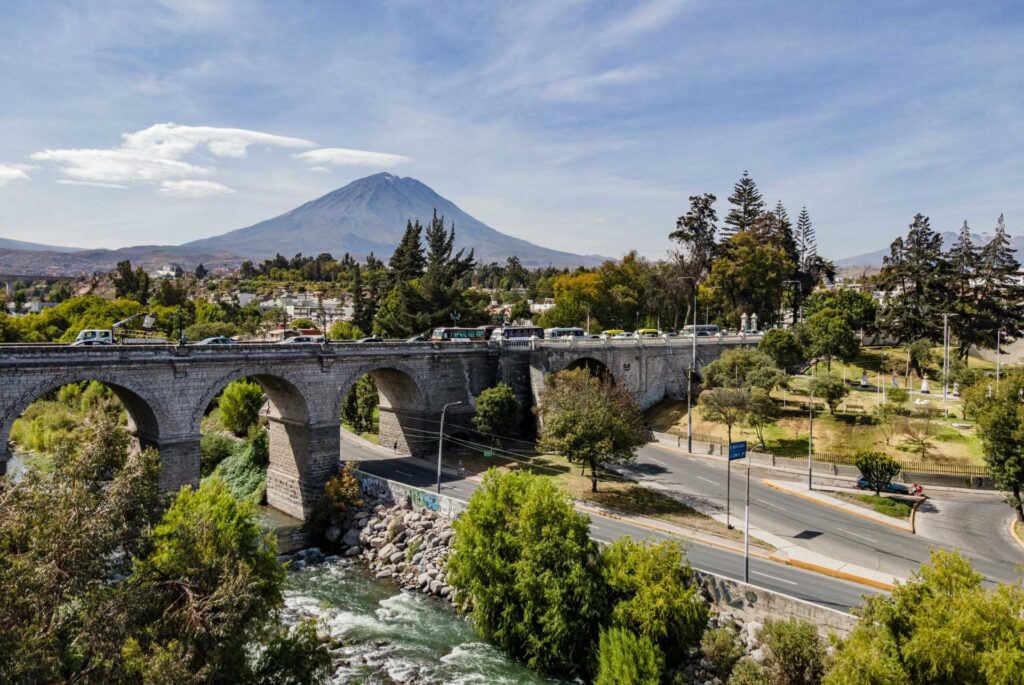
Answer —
693 366
810 434
440 443
945 362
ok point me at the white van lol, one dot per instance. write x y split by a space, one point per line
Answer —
94 336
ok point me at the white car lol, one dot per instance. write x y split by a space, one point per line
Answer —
303 340
94 336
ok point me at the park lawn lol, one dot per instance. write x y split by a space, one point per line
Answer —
889 506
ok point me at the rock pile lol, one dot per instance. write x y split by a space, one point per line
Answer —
400 543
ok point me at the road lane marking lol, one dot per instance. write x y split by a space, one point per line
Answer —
707 480
774 506
857 535
655 461
781 580
404 473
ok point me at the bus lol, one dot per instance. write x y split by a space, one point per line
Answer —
703 330
459 334
517 332
556 333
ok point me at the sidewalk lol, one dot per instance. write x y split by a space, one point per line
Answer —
786 551
819 497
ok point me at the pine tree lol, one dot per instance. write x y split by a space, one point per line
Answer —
963 265
806 243
362 310
916 276
747 207
998 292
407 261
443 279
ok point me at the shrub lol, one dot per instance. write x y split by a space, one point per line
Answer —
627 659
497 412
748 672
213 449
244 473
240 405
722 648
877 468
793 653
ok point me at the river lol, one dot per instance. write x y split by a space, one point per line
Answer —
389 636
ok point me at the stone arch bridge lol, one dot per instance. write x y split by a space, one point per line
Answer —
167 389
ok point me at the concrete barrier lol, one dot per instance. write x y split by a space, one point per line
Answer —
382 488
753 603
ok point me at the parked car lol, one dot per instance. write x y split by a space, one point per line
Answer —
418 338
304 340
894 488
218 340
370 339
93 336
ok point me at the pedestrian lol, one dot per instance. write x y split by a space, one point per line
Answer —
461 469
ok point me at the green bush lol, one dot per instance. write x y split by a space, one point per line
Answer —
497 412
793 653
244 472
651 593
627 659
213 449
748 672
877 468
721 647
240 405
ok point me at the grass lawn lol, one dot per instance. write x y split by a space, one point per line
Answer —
613 491
898 509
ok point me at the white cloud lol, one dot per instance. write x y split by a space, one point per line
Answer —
13 172
339 156
193 189
156 154
91 184
653 15
586 87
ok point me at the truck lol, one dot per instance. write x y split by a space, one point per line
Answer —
117 333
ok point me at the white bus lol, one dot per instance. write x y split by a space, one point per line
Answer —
703 330
558 333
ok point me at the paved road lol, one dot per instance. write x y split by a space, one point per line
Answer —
813 587
974 523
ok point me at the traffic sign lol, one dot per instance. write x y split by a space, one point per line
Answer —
737 450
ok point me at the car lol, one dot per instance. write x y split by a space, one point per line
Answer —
418 338
894 488
218 340
304 340
370 339
94 336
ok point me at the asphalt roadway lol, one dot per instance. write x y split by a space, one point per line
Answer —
973 522
795 582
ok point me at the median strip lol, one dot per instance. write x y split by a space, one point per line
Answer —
851 509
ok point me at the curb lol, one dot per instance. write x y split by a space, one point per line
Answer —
838 508
842 575
1013 532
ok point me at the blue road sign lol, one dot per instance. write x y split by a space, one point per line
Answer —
737 450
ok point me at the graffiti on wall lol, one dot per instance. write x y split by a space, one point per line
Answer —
381 488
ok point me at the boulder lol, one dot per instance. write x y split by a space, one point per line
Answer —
351 538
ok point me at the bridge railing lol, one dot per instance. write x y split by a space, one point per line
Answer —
526 344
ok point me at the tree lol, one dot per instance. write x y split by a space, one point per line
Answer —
589 420
857 307
131 285
831 336
497 412
942 626
201 272
652 594
920 356
627 659
696 233
363 308
829 387
916 274
784 347
240 405
1001 429
442 284
748 275
400 313
345 330
747 206
998 294
877 468
806 243
728 406
102 588
743 368
523 563
358 407
520 312
407 260
762 411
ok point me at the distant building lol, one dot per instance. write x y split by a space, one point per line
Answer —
168 271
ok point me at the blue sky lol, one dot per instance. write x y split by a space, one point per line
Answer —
579 125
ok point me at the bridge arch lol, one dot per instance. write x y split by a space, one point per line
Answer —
142 408
594 366
299 463
402 405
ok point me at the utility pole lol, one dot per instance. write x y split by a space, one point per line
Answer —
440 443
693 366
810 437
746 529
945 364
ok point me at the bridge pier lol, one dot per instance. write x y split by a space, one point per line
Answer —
179 461
302 457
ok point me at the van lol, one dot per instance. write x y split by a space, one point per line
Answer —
94 336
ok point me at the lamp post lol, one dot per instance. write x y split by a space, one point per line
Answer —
440 443
945 363
810 435
693 366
